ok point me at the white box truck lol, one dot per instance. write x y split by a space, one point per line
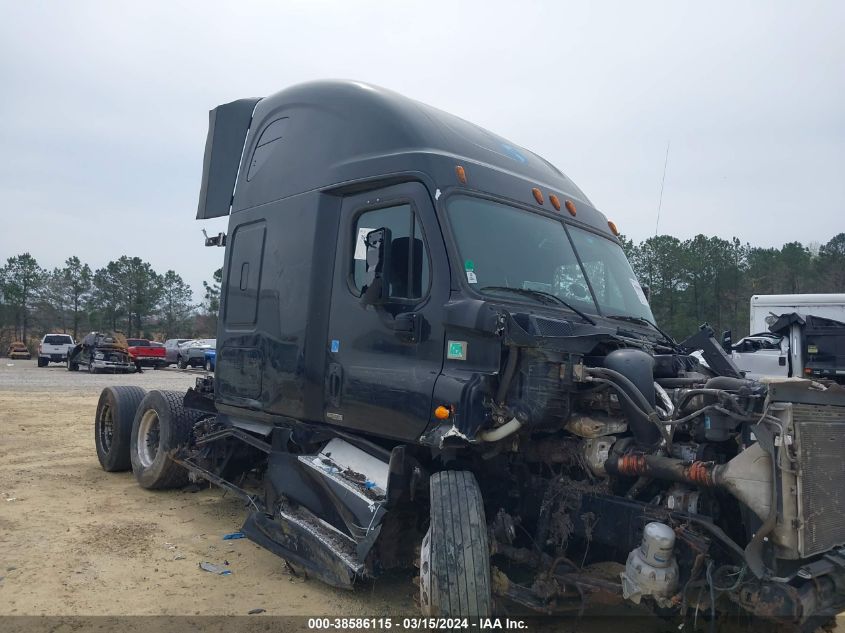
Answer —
801 335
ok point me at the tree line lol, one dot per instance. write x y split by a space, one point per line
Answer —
710 279
702 279
126 295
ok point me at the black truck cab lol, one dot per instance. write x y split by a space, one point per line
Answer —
322 165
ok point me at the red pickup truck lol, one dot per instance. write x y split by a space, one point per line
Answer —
146 353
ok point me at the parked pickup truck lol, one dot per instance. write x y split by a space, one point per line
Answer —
144 353
54 348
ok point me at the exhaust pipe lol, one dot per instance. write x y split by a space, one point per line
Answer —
748 476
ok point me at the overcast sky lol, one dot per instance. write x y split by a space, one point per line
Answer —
103 108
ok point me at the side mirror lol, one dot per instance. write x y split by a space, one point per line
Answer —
377 287
727 343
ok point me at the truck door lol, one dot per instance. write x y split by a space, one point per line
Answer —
383 361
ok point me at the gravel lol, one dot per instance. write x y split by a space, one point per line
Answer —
22 376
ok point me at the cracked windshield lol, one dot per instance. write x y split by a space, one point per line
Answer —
510 252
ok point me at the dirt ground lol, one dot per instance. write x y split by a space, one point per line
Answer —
77 541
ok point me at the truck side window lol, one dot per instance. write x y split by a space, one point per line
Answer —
409 270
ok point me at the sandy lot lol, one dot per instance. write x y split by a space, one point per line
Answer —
76 541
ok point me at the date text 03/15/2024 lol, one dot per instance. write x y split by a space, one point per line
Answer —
414 623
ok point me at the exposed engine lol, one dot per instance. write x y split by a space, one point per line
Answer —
648 477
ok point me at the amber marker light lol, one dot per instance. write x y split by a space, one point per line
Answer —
538 195
555 201
462 174
570 206
612 226
441 413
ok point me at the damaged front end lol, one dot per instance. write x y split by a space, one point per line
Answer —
617 472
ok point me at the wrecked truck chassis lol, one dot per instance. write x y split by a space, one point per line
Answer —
557 585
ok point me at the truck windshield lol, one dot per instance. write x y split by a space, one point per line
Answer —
506 250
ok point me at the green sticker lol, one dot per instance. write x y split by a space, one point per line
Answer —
457 350
469 265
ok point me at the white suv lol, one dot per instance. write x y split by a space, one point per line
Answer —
54 348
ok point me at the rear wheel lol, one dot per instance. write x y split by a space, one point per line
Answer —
455 556
161 426
91 368
113 426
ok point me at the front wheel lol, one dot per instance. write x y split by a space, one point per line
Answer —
91 368
455 556
181 363
71 366
162 425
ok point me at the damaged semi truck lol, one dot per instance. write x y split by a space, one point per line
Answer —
433 354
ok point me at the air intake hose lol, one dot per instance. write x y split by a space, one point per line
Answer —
632 370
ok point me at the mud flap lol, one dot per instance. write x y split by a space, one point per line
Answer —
308 543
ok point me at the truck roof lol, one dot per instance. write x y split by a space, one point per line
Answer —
798 299
328 134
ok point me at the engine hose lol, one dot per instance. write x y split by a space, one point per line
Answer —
500 432
623 393
647 417
666 468
719 394
625 383
679 382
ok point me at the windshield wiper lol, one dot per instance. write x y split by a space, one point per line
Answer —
644 321
544 298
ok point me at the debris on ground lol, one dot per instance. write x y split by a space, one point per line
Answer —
256 611
234 535
220 570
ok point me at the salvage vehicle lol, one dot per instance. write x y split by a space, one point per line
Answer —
54 348
100 352
433 354
146 354
795 346
192 353
18 351
171 349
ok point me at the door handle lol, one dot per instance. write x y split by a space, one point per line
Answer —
407 327
335 382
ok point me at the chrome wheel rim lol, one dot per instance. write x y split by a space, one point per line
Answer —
149 432
106 433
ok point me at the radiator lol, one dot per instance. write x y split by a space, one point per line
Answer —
820 449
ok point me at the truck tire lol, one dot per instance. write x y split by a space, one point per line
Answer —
71 366
91 368
181 363
113 426
161 426
455 556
